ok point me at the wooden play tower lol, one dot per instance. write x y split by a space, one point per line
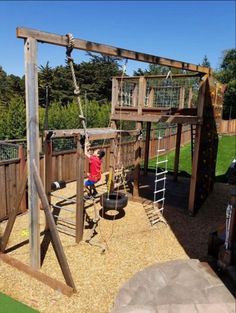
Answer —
150 99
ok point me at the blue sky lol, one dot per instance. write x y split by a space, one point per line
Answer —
181 30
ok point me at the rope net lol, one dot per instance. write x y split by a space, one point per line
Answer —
160 92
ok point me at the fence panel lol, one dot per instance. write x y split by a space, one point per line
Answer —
9 184
3 198
228 127
64 168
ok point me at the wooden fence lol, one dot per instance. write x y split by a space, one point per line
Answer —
227 127
64 165
63 168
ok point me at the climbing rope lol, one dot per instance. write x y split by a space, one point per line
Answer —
70 61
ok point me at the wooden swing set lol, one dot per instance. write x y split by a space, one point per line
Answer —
140 112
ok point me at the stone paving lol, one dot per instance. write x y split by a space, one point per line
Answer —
180 286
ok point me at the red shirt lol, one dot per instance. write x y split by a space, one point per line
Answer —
95 165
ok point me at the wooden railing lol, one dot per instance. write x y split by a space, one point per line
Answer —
154 91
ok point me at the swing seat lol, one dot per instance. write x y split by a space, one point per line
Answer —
113 201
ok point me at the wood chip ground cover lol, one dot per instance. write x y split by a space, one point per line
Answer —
132 245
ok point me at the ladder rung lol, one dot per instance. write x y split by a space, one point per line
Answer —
64 230
162 199
158 210
61 207
63 198
157 191
159 162
160 173
157 180
68 221
156 221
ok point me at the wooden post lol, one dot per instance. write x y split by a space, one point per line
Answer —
79 192
137 163
181 97
190 97
21 156
115 94
177 151
141 100
48 167
31 88
135 96
48 170
112 165
153 144
193 181
151 98
141 93
146 152
113 156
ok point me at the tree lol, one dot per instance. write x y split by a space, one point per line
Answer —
3 123
227 75
229 104
10 86
45 82
206 62
156 69
3 89
16 119
94 77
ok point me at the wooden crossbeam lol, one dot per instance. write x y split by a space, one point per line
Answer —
93 133
156 110
61 40
78 132
173 119
136 78
51 282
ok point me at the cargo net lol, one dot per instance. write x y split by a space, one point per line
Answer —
8 151
160 92
172 92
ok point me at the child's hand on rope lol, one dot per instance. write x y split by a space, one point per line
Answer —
87 145
87 149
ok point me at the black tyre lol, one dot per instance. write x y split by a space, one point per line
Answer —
113 200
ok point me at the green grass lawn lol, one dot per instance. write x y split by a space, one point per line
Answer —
225 155
9 305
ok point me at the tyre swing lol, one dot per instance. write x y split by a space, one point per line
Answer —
113 201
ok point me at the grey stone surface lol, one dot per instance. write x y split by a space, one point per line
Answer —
180 286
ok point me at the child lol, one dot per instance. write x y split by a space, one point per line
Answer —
94 175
